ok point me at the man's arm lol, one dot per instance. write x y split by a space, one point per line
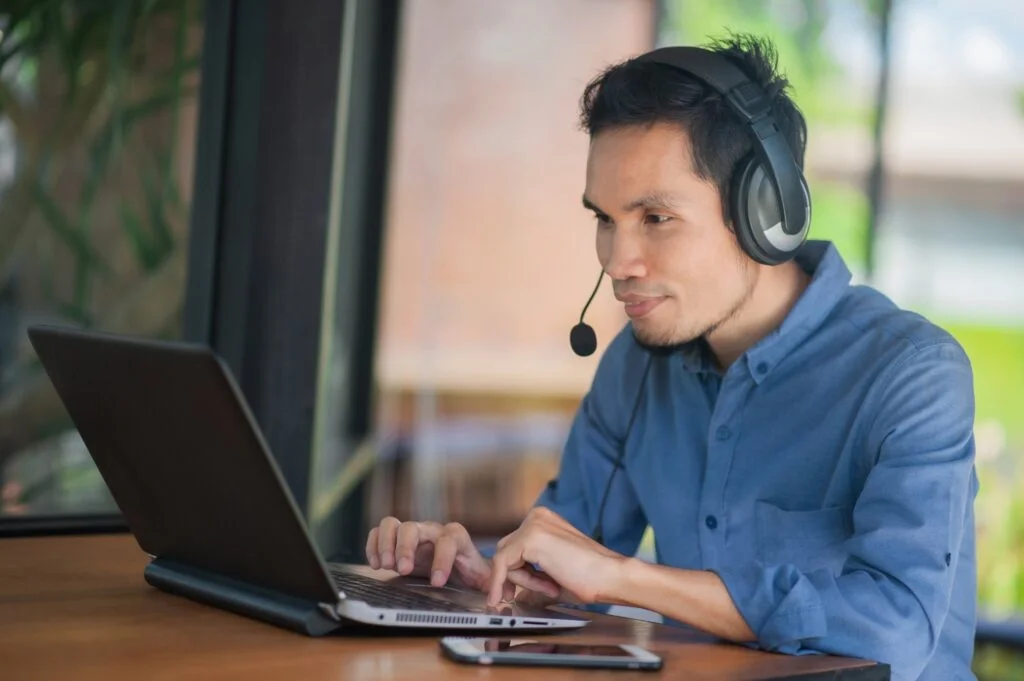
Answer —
694 597
891 599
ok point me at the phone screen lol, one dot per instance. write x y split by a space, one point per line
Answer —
495 645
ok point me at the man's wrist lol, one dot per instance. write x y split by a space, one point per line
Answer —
625 576
698 598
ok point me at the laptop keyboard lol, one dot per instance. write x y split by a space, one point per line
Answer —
383 595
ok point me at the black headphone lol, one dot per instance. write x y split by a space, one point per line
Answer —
769 202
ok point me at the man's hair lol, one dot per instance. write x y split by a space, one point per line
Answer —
644 93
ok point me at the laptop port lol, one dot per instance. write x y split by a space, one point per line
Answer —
534 623
496 621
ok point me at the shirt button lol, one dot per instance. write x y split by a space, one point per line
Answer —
711 522
723 433
761 368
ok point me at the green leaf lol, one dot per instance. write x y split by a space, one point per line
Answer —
72 237
163 237
109 141
141 242
170 192
18 36
119 41
61 41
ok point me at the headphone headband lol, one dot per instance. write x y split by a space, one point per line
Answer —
751 104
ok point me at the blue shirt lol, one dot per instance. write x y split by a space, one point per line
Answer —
827 476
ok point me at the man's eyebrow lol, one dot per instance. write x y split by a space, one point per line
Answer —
647 201
589 205
653 200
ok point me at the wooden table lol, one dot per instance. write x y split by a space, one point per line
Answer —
77 608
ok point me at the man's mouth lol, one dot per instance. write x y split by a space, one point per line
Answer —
639 306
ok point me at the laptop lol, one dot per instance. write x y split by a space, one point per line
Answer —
186 463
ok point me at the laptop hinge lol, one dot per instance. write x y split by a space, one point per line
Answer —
330 610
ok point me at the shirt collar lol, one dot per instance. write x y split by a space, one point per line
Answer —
830 279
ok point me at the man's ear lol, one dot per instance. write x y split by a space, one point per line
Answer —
727 216
729 224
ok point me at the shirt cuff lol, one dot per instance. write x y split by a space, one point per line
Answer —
779 604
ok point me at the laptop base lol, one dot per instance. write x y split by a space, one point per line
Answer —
298 615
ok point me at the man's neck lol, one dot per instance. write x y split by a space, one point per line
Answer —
775 293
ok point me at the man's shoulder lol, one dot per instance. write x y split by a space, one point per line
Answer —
894 332
871 312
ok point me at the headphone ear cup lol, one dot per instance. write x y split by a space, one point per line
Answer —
746 216
757 216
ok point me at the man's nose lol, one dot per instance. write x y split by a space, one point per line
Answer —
626 256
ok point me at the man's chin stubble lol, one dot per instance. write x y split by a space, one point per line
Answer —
661 341
673 339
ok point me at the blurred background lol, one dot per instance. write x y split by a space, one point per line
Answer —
432 241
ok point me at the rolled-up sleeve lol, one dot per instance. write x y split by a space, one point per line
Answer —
892 596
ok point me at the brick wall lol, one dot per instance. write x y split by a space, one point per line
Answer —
489 254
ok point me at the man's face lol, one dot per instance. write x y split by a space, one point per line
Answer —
661 236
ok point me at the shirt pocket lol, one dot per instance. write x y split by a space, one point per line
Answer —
809 539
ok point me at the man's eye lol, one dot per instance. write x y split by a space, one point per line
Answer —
602 219
658 219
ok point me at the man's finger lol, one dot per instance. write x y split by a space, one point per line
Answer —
508 591
510 558
528 579
498 572
446 548
372 557
512 536
407 539
474 570
386 540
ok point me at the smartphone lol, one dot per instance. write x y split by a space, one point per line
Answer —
527 652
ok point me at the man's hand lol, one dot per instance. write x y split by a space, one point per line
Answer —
548 555
441 552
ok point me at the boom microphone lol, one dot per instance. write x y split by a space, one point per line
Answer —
582 337
584 341
598 532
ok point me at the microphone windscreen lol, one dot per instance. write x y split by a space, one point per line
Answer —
583 339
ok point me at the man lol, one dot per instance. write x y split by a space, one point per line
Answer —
802 448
